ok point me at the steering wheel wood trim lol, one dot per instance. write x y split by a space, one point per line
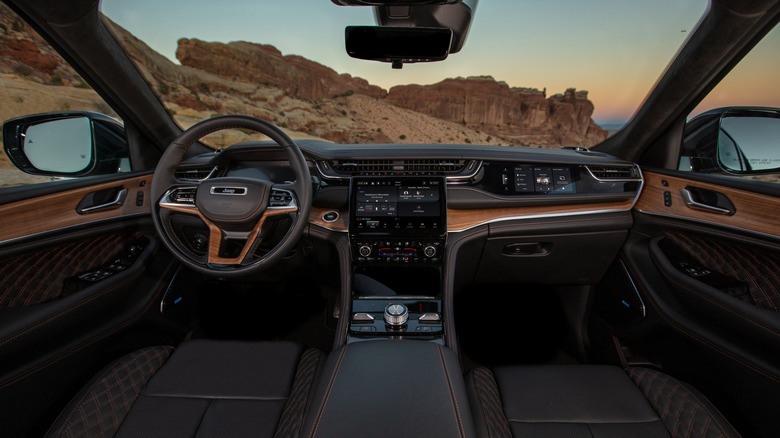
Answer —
215 233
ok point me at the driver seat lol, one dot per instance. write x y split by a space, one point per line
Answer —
203 388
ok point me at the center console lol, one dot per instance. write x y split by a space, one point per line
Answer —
417 390
397 231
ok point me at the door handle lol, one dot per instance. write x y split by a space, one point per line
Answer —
87 207
721 205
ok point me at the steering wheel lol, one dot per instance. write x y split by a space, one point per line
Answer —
234 209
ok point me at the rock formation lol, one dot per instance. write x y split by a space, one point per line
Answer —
264 64
512 113
24 53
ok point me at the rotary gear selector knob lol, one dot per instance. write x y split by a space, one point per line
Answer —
396 315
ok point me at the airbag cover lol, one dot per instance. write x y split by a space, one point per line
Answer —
233 203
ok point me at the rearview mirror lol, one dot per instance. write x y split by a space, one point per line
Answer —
67 144
398 45
749 142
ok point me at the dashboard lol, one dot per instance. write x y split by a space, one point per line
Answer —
395 201
407 225
481 184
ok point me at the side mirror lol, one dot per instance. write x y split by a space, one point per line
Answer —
749 142
66 144
732 141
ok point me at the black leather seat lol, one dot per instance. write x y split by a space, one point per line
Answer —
589 401
203 388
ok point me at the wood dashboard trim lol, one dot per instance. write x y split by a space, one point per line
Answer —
339 225
58 211
461 220
754 212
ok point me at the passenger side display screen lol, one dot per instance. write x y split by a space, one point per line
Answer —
398 205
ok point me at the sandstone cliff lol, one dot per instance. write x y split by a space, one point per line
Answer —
512 113
264 64
24 53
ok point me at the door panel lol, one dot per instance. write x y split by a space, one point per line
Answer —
39 276
54 294
738 273
74 291
710 285
727 285
753 211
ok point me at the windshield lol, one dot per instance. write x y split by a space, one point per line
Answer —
531 73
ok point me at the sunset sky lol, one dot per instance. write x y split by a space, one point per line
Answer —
615 49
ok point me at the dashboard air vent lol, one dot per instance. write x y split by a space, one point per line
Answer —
613 173
399 167
199 173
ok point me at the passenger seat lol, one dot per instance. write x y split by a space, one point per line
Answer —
589 401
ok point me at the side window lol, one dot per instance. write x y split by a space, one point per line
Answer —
735 130
73 132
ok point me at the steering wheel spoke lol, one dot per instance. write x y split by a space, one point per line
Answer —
218 236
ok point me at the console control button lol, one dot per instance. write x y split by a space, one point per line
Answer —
429 251
396 315
365 250
330 216
429 317
362 317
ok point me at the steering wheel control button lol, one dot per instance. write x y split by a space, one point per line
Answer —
182 196
280 198
396 315
330 216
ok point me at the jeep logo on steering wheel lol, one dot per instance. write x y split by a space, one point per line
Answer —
230 191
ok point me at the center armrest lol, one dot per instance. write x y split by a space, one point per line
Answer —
391 387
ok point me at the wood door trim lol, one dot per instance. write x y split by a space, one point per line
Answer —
754 212
58 211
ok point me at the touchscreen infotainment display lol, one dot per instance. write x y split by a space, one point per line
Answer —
398 205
